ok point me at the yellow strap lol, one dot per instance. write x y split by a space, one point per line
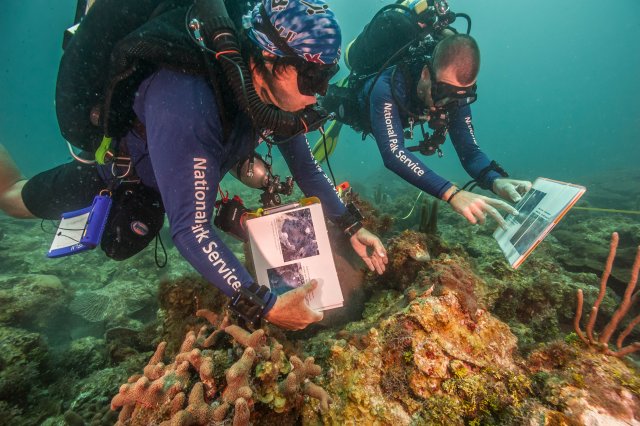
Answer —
303 202
331 136
332 133
102 150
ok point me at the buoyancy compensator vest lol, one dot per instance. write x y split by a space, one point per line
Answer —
97 59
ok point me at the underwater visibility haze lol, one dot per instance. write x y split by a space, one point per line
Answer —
450 334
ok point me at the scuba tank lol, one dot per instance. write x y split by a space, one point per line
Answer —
393 29
385 34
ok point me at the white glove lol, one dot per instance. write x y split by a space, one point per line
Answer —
511 189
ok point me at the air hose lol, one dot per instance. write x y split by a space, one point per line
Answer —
466 18
219 38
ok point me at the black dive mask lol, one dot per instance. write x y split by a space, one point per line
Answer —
314 78
444 94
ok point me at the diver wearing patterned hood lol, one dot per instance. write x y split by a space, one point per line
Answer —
183 154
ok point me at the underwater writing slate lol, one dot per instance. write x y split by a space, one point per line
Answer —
290 247
538 212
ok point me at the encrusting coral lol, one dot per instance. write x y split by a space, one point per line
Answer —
627 301
408 254
158 396
429 363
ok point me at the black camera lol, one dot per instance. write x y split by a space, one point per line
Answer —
270 197
230 217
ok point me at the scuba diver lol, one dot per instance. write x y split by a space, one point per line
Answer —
198 99
410 68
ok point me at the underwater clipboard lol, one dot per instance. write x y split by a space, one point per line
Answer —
290 246
82 229
539 211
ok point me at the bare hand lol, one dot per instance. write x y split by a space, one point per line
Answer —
364 242
291 310
475 208
511 189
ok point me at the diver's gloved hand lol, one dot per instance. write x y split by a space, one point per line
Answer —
475 208
364 242
291 311
511 189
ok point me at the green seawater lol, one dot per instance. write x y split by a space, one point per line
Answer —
558 97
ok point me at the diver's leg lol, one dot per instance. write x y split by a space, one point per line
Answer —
11 184
66 188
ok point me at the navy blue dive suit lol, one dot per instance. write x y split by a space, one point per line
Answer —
184 158
188 158
387 128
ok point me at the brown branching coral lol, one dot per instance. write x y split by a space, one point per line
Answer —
238 390
602 342
213 318
158 396
298 380
296 384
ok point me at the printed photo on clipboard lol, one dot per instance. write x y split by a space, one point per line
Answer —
290 247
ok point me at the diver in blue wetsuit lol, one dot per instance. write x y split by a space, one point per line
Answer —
437 91
180 149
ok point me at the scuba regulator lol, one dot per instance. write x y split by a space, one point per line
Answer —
447 99
210 26
435 15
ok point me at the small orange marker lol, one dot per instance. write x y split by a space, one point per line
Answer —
342 187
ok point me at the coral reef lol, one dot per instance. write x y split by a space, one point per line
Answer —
422 358
407 255
31 300
179 299
110 303
581 387
427 363
23 357
435 343
158 396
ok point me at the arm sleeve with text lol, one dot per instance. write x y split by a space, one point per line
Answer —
184 135
310 177
388 132
471 156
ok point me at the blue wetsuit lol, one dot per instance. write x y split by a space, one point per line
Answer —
386 121
185 158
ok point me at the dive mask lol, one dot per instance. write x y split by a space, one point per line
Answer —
444 94
314 78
